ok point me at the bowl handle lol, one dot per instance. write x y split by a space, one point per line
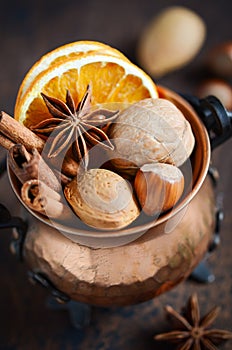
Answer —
20 227
217 120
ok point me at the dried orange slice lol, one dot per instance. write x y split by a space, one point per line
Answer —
60 54
113 79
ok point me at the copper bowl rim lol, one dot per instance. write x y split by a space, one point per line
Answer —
98 234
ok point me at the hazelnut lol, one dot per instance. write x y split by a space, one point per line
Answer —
102 199
158 187
220 59
219 88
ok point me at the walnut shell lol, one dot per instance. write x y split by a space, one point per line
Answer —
150 131
102 199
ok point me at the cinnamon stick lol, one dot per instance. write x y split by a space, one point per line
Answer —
18 133
42 199
12 132
5 142
27 166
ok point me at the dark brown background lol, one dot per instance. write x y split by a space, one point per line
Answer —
28 29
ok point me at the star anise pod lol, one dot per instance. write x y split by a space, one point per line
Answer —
194 332
77 127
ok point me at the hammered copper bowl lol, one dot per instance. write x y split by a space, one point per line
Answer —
139 262
196 173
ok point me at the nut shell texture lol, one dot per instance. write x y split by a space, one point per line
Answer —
151 131
102 199
158 187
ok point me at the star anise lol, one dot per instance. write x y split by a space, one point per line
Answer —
194 332
76 127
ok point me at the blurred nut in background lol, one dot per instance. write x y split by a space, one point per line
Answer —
219 59
171 40
219 88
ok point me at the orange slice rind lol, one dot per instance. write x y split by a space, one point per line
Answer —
60 54
113 79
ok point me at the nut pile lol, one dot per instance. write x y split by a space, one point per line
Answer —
152 139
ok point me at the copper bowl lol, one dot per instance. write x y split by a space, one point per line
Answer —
196 173
139 262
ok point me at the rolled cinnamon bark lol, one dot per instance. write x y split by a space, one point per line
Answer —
18 133
5 142
27 166
12 132
42 199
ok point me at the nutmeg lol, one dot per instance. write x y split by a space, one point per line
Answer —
102 199
158 187
150 131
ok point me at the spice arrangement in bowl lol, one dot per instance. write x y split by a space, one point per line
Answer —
85 96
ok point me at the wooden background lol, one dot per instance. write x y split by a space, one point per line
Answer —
28 29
